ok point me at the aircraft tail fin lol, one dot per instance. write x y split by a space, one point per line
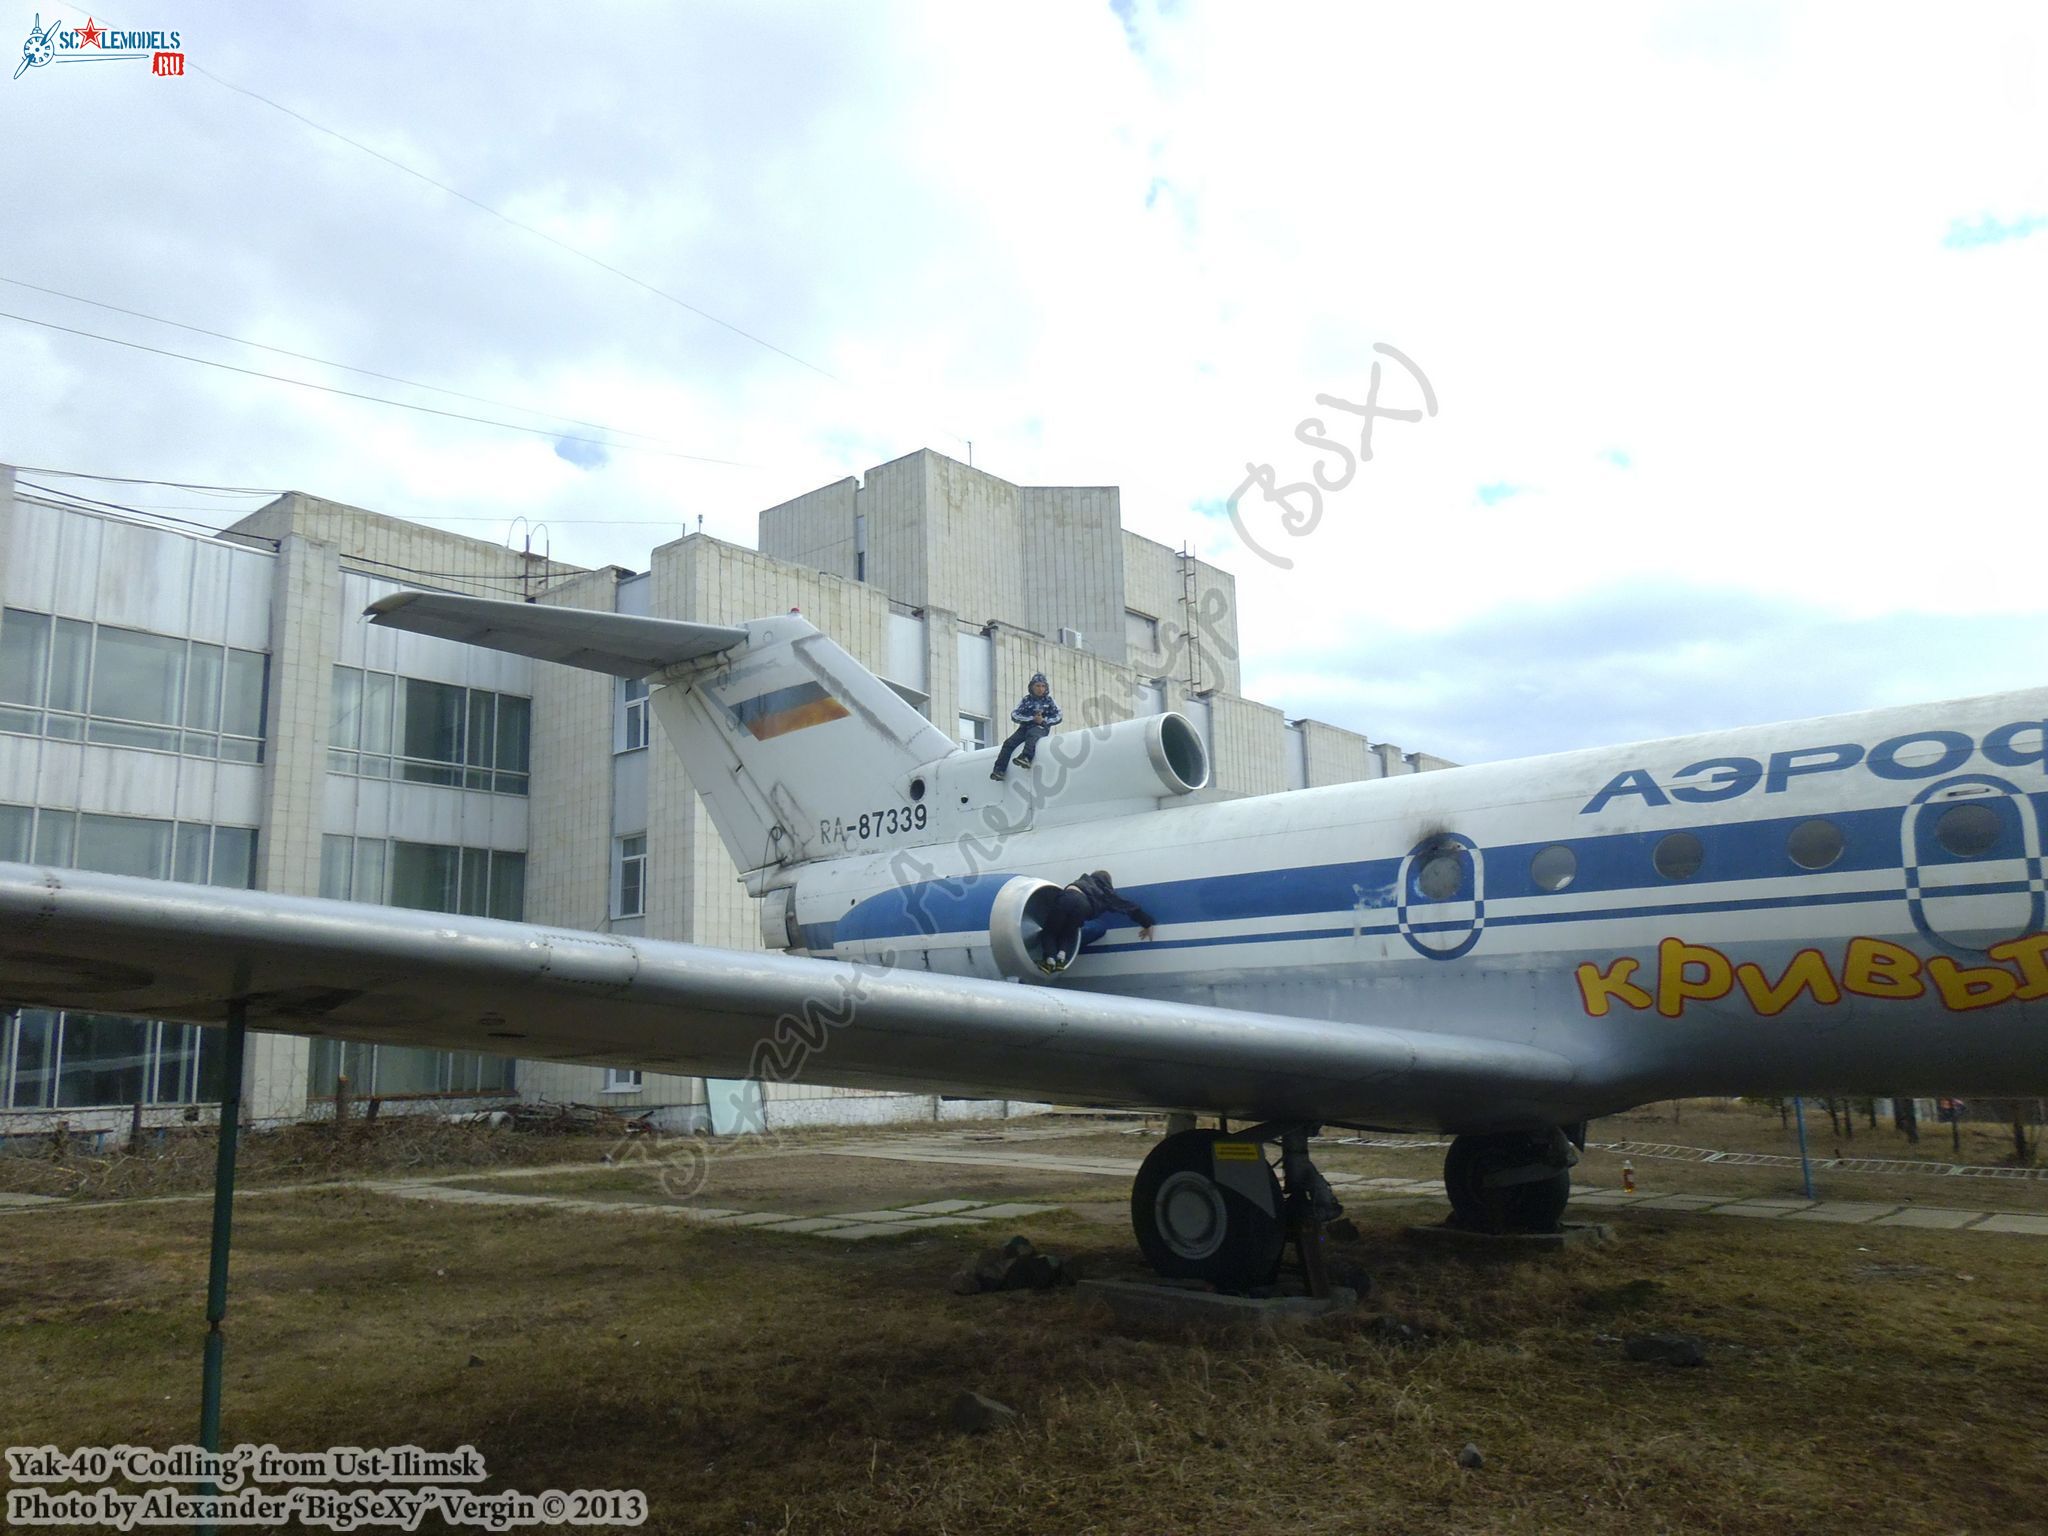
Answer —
790 741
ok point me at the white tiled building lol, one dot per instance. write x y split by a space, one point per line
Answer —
214 708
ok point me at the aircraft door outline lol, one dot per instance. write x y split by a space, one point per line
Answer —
1944 887
1440 917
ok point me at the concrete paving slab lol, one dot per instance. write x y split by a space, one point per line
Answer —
860 1225
27 1200
1676 1202
1933 1217
2013 1221
1783 1203
864 1230
1847 1212
874 1216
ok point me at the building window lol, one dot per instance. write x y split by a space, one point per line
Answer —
16 834
68 1060
621 1080
629 889
630 733
428 877
130 845
973 732
385 727
431 877
1141 633
74 681
52 1060
404 1071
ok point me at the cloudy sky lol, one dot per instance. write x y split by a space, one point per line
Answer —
1733 315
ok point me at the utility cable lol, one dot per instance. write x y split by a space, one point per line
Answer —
355 394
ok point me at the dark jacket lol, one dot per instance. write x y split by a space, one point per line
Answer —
1104 897
1035 709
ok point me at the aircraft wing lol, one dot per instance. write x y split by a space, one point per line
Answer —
623 644
149 948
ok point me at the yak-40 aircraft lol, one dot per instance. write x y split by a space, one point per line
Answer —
1851 904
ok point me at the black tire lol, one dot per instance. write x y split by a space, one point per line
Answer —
1191 1227
1533 1206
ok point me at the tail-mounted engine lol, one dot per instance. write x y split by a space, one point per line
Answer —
1083 774
991 926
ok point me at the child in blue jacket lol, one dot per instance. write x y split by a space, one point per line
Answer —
1035 717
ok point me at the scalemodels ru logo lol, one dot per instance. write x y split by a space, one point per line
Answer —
93 43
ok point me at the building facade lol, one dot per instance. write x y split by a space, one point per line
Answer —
214 708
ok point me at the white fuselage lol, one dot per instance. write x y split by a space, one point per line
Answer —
1851 904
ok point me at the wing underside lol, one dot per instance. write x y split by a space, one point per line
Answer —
147 948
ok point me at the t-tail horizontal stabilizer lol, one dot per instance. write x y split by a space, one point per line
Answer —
622 644
784 734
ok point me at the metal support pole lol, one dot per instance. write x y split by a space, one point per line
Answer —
1805 1162
223 1220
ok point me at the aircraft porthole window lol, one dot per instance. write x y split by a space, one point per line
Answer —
917 789
1554 868
1815 844
1441 874
1967 831
1679 856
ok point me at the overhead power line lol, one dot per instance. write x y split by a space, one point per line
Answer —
519 224
540 234
177 485
355 394
328 362
163 513
73 500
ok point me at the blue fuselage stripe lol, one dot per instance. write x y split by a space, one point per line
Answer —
1872 843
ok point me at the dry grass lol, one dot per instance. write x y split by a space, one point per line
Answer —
751 1381
182 1161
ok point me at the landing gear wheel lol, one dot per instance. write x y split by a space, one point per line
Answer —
1201 1217
1501 1184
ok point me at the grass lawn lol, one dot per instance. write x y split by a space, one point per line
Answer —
767 1382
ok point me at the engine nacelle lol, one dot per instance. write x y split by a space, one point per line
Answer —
991 926
1091 771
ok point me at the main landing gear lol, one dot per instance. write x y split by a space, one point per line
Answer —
1209 1205
1515 1181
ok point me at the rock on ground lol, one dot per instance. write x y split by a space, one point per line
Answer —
973 1414
1016 1266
